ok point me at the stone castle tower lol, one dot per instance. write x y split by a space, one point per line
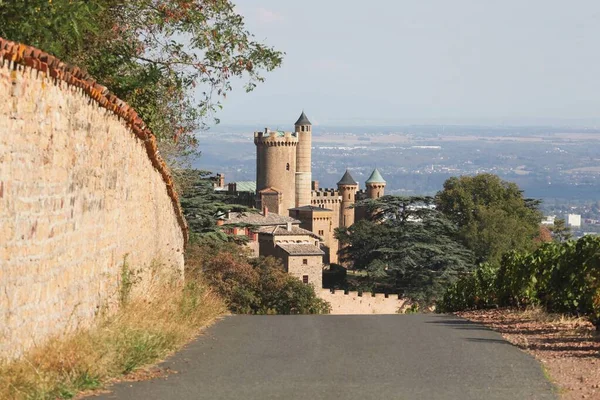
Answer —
276 170
303 129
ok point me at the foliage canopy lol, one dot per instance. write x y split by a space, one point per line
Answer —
172 60
251 286
407 244
492 215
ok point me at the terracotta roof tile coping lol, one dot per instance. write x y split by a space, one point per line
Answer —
34 58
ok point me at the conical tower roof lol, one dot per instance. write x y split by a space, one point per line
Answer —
347 179
375 177
303 120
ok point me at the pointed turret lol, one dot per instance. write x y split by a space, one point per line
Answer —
347 188
303 120
347 179
375 177
375 185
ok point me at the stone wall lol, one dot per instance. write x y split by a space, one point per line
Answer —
351 303
313 269
80 192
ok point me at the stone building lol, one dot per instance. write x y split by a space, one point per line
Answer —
280 236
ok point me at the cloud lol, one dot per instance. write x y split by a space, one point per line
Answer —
266 16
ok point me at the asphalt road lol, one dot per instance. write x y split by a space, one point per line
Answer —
346 357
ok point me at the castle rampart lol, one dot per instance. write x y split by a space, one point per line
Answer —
352 302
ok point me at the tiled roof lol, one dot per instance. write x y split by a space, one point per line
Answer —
375 177
258 219
301 249
245 186
310 208
283 231
36 59
347 179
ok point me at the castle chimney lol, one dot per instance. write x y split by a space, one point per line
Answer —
289 226
315 185
265 211
220 222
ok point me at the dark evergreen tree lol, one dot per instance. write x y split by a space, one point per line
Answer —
202 206
408 245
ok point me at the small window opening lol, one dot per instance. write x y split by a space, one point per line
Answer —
348 196
305 279
287 166
305 261
321 233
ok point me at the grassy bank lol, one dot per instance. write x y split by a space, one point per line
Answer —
142 332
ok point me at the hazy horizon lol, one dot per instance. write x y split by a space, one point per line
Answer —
431 62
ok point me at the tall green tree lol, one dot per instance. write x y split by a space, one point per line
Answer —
408 245
172 60
560 231
492 215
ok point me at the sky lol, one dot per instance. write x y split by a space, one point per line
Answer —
352 62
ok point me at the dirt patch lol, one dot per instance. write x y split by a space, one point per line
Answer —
568 348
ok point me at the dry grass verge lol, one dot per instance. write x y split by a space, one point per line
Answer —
141 333
568 348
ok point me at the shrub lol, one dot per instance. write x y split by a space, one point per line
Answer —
560 277
252 286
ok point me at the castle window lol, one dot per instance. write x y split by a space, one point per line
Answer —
302 128
348 196
287 166
305 279
321 233
305 261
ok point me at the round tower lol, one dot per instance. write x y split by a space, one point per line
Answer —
276 166
347 188
303 128
375 185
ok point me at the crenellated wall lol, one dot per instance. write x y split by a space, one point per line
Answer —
82 188
343 303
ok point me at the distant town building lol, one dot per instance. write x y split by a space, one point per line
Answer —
574 220
549 220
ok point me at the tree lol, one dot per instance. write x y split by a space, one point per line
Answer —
202 205
560 231
172 60
492 215
407 245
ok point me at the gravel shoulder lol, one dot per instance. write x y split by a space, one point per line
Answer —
568 348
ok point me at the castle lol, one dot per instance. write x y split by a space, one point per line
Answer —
297 219
284 185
